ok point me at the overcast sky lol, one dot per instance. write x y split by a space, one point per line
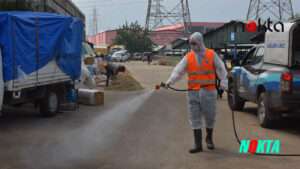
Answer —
113 13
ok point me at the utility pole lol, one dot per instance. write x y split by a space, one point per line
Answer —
16 5
93 28
45 5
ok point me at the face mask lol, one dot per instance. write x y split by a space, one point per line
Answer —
195 48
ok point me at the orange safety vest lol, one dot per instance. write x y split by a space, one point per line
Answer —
205 75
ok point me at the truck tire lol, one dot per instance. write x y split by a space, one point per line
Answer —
263 111
234 101
18 105
49 104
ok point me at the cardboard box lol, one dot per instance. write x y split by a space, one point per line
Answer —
89 60
91 97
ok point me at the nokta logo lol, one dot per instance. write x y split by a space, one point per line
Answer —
259 146
262 26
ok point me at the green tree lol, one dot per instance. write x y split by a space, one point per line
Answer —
134 38
296 17
16 5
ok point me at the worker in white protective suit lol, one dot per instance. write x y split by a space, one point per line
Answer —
202 66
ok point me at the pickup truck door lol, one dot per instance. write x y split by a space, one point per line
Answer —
256 71
245 77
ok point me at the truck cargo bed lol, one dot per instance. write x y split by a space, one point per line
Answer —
49 74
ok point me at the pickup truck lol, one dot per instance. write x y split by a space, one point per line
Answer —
40 59
269 75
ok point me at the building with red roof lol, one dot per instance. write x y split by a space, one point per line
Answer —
160 36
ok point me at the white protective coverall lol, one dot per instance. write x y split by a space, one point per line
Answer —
201 102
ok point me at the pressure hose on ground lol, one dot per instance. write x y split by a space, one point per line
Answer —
229 92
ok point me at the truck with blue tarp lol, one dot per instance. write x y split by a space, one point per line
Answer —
40 59
269 75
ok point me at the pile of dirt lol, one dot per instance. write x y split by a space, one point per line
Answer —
124 82
169 60
165 63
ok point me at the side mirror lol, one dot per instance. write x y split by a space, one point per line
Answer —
235 62
248 62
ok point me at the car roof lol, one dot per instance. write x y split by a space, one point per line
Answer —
120 52
259 45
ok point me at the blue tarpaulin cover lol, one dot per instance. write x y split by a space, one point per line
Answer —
29 40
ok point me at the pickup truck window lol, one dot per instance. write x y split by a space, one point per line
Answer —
296 46
259 55
249 57
297 58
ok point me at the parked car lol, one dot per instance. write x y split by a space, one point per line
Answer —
168 53
269 75
175 53
145 56
137 56
119 57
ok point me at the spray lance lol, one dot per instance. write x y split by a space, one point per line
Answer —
229 93
157 87
165 86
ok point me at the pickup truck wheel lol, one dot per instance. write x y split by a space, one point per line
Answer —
18 105
263 111
234 101
48 105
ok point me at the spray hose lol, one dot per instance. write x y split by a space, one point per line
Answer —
229 92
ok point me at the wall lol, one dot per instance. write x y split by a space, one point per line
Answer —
103 38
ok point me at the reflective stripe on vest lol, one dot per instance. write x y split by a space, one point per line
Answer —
203 76
201 81
202 72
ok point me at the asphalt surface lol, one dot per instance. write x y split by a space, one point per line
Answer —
133 130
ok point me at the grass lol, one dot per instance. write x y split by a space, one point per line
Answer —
124 82
173 59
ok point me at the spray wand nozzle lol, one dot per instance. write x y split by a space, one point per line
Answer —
157 87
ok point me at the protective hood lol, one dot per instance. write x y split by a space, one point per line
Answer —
198 38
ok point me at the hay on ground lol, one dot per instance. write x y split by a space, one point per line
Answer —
124 82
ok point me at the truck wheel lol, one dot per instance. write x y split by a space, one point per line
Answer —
234 101
18 105
48 105
263 111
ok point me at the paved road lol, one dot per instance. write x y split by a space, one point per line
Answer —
134 130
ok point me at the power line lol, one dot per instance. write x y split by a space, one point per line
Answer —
99 6
109 2
89 2
127 4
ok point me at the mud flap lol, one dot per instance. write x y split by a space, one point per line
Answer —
272 114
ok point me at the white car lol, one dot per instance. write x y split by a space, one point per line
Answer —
137 56
119 57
